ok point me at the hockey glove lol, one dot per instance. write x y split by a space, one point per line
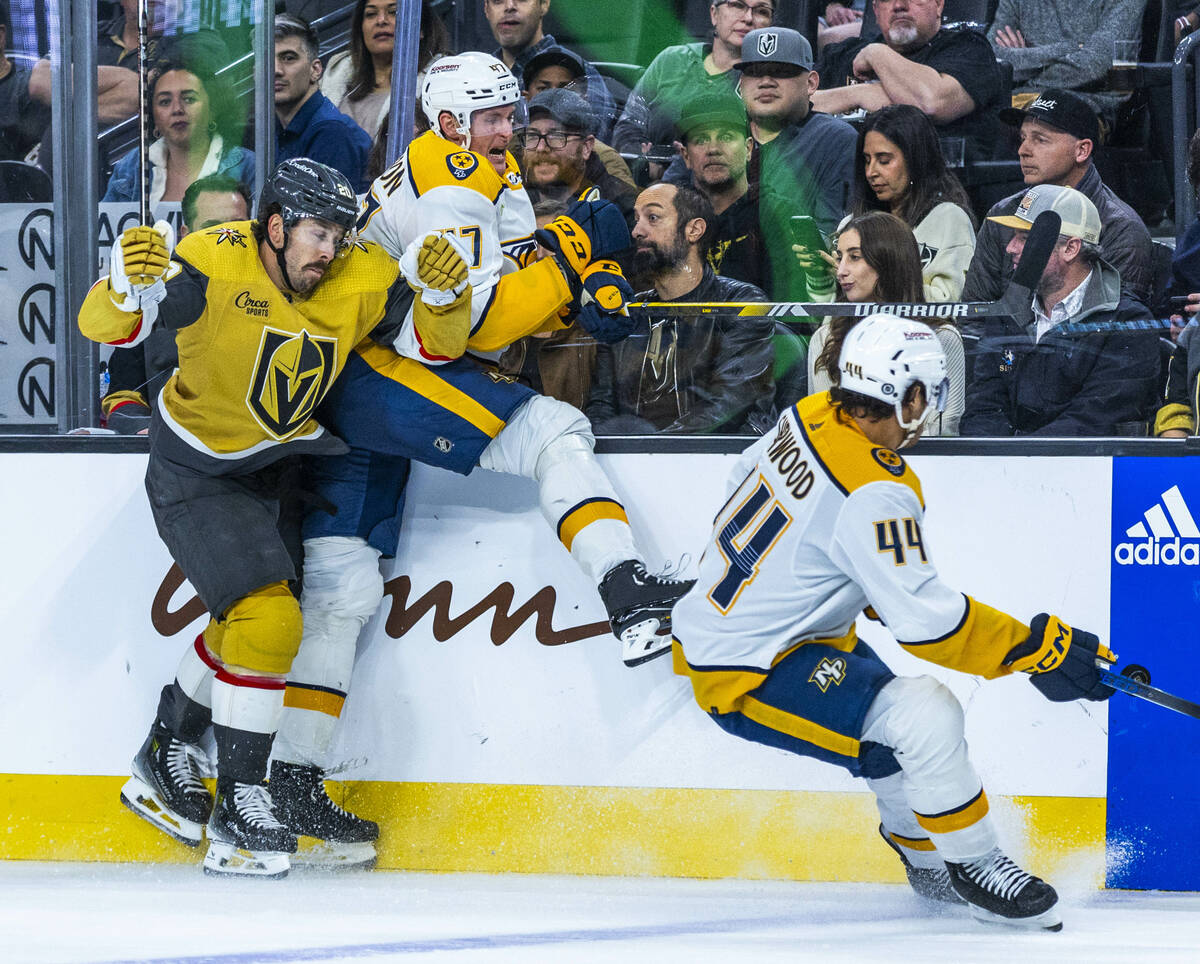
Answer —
1061 661
604 326
137 266
436 266
589 231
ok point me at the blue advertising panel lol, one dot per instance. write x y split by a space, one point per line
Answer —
1154 753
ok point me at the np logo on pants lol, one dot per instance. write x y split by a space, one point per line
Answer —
829 671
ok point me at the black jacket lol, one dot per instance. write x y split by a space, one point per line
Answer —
711 373
1069 383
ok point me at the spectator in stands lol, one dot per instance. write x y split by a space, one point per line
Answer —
1047 377
803 159
1059 132
1185 264
840 21
557 67
137 374
951 75
359 81
898 167
22 119
714 135
559 162
517 27
307 124
687 71
196 126
878 261
711 373
556 363
1064 45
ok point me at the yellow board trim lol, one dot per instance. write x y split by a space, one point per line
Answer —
800 728
579 519
303 698
969 815
637 831
422 380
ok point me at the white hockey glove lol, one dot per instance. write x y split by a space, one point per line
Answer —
137 267
436 266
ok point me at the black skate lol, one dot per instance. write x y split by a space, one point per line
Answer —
999 891
166 789
342 840
930 883
639 609
244 837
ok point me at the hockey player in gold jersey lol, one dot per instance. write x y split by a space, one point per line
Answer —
823 521
267 312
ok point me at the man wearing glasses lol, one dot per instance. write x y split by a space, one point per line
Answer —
685 72
560 162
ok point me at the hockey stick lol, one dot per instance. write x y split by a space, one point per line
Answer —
1135 681
1015 300
144 110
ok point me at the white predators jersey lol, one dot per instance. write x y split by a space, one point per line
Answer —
822 524
437 185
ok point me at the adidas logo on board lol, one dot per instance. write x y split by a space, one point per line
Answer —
1166 536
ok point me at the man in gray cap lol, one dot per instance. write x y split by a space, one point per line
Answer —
1049 377
1059 133
559 160
804 160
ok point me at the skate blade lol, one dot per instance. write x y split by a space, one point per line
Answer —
143 801
313 854
226 860
643 642
1047 920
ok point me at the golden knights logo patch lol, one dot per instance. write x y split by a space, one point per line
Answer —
461 164
291 375
829 671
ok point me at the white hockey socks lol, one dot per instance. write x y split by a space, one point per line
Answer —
923 724
245 714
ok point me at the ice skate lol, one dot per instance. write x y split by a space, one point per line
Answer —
930 883
998 891
165 789
340 840
639 609
244 837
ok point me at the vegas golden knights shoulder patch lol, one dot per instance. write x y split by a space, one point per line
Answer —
291 375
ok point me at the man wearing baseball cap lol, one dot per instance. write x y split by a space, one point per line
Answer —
804 160
1059 132
559 159
1074 368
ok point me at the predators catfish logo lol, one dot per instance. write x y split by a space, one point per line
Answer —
291 374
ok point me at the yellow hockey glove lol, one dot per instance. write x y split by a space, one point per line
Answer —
138 264
437 267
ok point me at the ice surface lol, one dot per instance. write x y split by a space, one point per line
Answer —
104 912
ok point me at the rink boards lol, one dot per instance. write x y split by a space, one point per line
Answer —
492 726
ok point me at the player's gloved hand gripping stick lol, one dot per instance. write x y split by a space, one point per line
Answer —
137 269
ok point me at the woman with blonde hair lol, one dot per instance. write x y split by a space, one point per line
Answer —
878 261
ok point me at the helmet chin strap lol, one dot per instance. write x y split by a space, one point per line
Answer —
913 429
279 259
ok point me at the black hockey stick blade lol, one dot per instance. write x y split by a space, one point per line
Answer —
1034 257
1144 691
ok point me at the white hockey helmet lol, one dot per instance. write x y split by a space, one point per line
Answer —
464 84
883 356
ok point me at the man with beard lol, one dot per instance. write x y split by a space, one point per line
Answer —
715 146
684 375
1047 377
805 159
560 162
951 75
517 27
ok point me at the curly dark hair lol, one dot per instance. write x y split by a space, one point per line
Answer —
435 39
225 109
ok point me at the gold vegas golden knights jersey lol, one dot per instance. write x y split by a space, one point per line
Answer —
253 363
822 524
437 185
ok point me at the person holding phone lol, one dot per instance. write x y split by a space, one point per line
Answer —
877 260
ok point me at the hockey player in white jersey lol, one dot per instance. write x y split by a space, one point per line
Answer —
824 522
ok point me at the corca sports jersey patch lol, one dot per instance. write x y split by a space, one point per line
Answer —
461 164
291 374
889 460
